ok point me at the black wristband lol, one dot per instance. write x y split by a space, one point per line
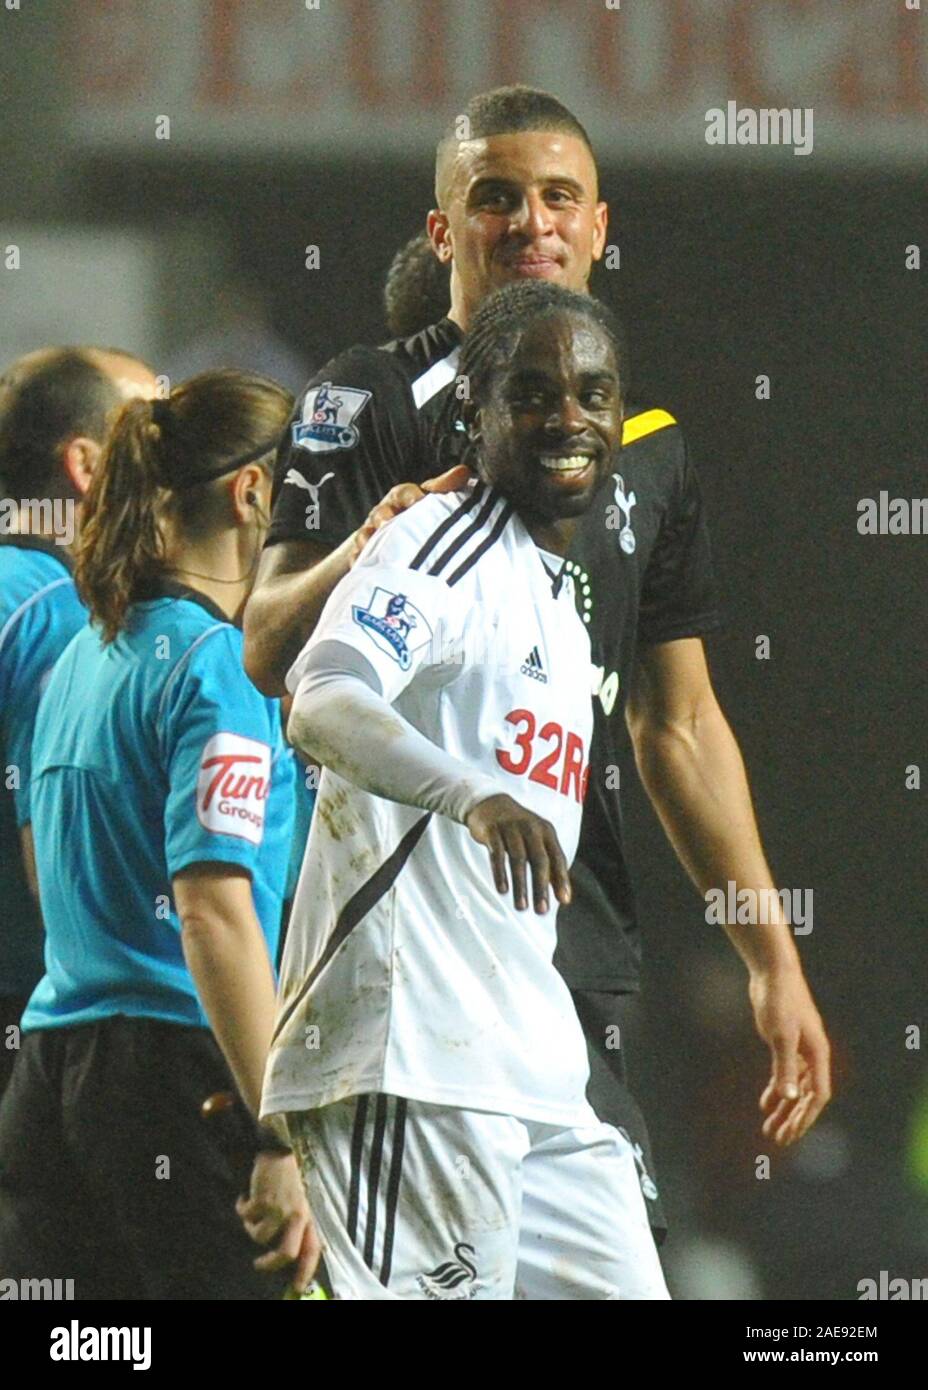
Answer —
269 1142
267 1139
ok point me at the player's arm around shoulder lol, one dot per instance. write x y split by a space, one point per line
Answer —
388 607
409 515
293 582
387 612
297 577
403 496
352 428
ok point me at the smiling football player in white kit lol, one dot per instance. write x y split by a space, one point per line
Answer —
427 1054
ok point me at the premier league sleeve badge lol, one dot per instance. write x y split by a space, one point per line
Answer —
329 413
394 624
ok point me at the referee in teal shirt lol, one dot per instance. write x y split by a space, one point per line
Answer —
162 800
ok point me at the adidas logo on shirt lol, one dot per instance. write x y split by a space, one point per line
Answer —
533 667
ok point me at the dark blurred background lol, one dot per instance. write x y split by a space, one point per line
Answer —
293 127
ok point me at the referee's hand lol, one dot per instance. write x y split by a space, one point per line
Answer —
276 1212
512 833
401 498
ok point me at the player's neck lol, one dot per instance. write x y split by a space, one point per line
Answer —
555 536
461 312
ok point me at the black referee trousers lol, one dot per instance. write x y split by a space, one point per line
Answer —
111 1176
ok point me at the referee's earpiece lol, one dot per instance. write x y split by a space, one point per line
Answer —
251 499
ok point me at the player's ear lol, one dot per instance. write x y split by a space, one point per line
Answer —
79 457
600 225
436 224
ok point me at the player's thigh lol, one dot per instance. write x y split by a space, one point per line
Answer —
413 1201
584 1231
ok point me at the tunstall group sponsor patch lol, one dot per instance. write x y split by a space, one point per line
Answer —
233 785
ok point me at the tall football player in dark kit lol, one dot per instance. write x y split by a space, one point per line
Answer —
519 199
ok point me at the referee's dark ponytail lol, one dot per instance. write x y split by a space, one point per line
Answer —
491 339
119 539
161 458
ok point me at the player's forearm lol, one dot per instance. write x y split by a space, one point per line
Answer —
695 777
229 963
281 616
340 722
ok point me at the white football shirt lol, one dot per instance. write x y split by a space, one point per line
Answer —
405 971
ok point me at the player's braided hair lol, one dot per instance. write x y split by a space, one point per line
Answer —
165 458
491 338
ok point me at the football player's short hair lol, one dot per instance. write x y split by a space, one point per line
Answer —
417 291
504 111
492 337
46 399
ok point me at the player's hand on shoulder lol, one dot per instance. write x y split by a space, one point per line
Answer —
511 832
276 1212
403 496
